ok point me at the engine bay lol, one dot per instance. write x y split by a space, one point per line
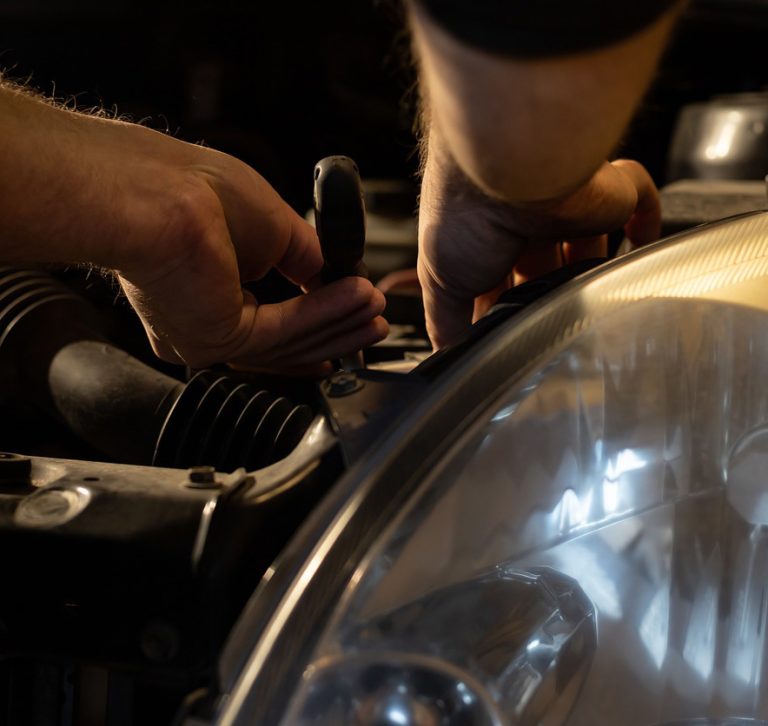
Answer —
142 503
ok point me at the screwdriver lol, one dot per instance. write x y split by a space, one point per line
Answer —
340 224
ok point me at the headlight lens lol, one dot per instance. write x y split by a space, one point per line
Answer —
615 485
466 653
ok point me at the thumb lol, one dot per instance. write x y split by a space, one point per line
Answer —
448 313
303 259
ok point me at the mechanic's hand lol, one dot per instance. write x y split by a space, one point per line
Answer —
183 226
469 244
232 226
218 223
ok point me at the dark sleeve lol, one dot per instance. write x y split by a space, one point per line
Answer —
542 28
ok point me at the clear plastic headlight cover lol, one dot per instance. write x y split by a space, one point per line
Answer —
592 544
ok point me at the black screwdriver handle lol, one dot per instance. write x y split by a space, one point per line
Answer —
340 217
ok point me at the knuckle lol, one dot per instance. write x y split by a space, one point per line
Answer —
359 289
195 208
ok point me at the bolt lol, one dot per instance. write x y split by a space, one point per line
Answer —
202 477
342 383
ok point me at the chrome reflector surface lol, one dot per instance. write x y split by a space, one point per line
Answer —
636 463
529 632
625 451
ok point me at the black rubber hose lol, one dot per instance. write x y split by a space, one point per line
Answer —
227 422
53 354
110 399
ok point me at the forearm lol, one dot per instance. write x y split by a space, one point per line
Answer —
526 130
67 190
183 226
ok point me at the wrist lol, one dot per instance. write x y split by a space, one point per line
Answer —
444 183
51 190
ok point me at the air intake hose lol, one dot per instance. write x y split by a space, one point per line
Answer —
53 352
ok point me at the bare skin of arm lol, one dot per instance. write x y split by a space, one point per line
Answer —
183 226
515 162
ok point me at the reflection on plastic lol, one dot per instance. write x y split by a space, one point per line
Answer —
513 647
634 463
392 689
632 458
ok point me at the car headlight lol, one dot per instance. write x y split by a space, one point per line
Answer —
571 525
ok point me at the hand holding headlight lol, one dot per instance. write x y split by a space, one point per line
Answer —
532 130
472 247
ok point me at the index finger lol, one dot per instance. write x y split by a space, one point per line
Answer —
644 225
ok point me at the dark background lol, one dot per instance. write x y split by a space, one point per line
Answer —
278 84
282 84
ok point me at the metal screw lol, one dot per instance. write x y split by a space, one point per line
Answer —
202 477
342 383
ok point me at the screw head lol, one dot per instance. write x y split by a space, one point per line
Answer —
342 383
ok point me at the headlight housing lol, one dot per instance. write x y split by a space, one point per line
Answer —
582 503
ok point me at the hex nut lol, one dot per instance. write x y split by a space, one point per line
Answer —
342 383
